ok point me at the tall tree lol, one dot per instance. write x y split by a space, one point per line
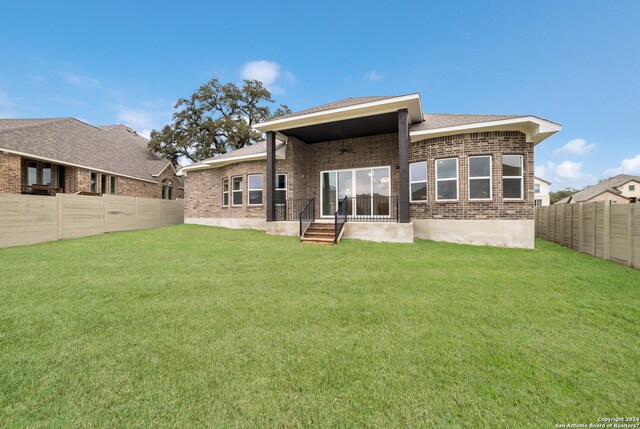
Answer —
554 197
214 120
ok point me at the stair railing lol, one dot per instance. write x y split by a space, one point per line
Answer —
340 217
307 216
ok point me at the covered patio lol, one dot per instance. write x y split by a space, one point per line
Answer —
353 158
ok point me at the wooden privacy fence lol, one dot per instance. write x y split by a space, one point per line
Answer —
26 219
607 231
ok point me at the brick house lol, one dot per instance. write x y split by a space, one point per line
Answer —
377 168
620 189
65 155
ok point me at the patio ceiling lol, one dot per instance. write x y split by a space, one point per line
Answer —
345 129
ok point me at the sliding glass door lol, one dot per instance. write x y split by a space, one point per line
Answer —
368 190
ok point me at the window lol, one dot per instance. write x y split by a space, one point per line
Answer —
236 191
538 203
113 185
368 191
512 177
165 189
480 177
46 174
418 181
170 190
632 187
536 188
281 187
254 189
94 182
32 173
447 179
225 192
103 183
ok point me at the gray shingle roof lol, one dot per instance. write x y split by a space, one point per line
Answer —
254 149
115 149
352 101
434 121
609 185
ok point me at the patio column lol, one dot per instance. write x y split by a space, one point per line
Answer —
271 175
403 144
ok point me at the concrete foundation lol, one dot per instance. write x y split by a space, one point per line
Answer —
501 233
240 222
291 228
379 231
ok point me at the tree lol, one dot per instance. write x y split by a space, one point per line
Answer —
214 120
554 197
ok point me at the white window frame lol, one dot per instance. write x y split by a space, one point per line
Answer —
490 177
234 191
536 201
255 189
353 172
426 182
113 185
536 188
632 188
286 184
521 177
457 179
226 179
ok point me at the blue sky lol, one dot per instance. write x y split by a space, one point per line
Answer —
573 62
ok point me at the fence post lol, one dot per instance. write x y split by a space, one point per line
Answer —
547 231
595 212
630 234
104 213
562 240
59 215
581 227
135 210
606 235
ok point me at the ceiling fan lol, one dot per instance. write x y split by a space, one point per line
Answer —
345 149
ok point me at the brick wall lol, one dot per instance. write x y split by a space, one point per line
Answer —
10 173
203 189
304 163
13 174
462 146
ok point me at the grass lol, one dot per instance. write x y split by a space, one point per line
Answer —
194 326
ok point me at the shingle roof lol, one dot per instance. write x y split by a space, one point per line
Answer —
352 101
115 149
434 121
609 185
254 149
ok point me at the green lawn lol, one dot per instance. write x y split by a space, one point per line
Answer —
194 326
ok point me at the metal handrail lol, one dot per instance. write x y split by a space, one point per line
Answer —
289 209
340 218
307 216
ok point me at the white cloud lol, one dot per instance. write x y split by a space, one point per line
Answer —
7 106
627 166
565 174
79 80
145 116
576 147
269 73
373 76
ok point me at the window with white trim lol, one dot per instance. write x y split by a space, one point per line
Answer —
512 178
536 188
254 189
281 187
236 191
418 181
225 192
632 187
447 179
537 203
114 185
480 177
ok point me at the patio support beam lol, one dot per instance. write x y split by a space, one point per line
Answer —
403 144
271 175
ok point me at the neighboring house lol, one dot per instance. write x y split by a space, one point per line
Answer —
65 155
392 171
541 192
622 188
